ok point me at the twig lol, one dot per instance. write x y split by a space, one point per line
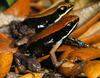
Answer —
92 30
92 39
43 58
86 26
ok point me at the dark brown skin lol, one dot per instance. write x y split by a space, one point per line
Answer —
55 27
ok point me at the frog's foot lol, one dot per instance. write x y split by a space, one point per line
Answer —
75 42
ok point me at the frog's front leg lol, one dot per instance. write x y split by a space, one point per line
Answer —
71 41
53 56
75 42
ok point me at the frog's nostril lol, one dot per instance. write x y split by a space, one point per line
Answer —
71 5
77 20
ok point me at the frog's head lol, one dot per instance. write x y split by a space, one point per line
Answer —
64 8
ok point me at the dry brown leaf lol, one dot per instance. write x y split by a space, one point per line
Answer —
92 30
5 63
20 8
32 75
92 69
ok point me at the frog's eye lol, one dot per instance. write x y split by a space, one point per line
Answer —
62 8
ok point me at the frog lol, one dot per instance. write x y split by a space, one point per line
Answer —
22 31
41 43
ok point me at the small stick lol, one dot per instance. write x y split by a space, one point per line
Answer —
92 30
86 26
92 39
43 58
